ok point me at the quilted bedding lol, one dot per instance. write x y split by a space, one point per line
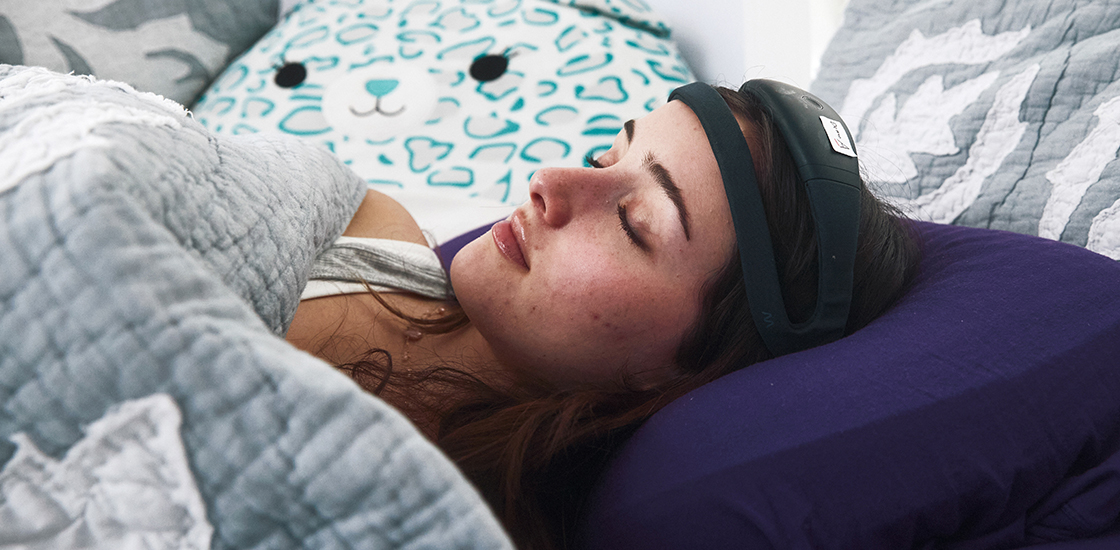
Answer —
147 269
987 113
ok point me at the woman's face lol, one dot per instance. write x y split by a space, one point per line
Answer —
600 273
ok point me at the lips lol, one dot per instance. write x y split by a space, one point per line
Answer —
507 242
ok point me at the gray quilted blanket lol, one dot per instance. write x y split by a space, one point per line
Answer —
988 113
146 399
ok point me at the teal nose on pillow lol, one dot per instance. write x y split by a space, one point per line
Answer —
381 88
451 106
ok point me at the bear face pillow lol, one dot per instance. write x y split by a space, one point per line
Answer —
451 105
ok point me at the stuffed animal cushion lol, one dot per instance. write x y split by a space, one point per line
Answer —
451 105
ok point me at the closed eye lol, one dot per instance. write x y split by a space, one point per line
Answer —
624 221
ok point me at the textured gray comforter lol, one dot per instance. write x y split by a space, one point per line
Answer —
146 271
989 113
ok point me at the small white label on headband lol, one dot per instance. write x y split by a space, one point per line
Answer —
838 137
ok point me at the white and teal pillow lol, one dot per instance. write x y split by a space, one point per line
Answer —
451 105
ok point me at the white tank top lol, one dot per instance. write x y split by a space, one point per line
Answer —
387 265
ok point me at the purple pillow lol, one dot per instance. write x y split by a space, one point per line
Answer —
449 249
982 411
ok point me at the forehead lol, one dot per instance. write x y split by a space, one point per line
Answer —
675 136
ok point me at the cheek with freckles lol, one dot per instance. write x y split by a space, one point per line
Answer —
585 312
619 311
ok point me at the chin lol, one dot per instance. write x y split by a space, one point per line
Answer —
467 260
475 277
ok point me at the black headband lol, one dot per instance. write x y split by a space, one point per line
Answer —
821 148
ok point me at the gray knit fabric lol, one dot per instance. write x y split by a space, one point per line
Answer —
147 269
385 266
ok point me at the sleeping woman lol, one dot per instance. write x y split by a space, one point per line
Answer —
615 289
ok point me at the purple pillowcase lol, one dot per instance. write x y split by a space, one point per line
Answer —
449 249
983 410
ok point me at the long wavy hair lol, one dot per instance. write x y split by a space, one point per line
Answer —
534 451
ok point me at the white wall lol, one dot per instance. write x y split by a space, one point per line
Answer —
729 41
709 35
825 17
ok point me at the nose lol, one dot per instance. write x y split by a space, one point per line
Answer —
381 87
560 194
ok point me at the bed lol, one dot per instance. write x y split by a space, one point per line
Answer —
153 255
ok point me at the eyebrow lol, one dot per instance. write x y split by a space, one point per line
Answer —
661 175
664 180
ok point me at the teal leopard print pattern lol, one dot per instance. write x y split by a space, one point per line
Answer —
460 99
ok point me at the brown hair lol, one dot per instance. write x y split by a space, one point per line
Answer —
535 452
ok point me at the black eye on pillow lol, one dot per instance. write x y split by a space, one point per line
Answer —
489 67
290 75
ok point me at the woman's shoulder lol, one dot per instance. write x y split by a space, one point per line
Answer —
382 217
337 327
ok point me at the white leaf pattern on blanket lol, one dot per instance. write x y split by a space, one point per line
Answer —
1080 170
899 74
127 484
921 126
966 44
1104 233
49 27
998 137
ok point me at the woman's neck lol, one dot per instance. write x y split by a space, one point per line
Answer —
344 329
463 349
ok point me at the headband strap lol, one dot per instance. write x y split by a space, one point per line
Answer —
833 186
